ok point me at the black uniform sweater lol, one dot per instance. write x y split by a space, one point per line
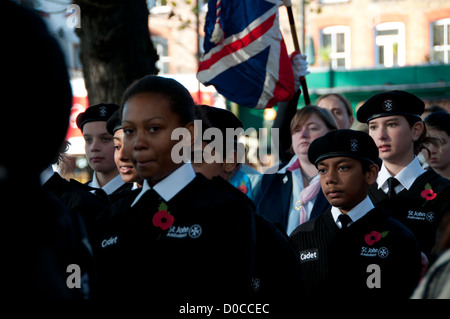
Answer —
336 263
216 250
421 208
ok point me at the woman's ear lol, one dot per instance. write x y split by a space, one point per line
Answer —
417 130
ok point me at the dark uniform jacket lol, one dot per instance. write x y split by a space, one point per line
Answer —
102 198
420 208
274 199
216 249
335 262
81 204
39 243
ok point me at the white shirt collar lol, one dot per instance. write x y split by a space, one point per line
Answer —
170 185
406 177
46 174
355 213
284 169
110 187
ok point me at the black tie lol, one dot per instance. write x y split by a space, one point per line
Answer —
345 220
392 183
100 193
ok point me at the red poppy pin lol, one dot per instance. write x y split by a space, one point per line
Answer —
243 188
374 236
162 218
428 194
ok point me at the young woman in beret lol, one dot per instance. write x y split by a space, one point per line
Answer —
417 197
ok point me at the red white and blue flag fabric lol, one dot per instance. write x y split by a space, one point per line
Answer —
245 57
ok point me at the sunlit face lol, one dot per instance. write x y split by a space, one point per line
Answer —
99 146
338 110
123 162
304 135
440 158
395 138
148 123
343 182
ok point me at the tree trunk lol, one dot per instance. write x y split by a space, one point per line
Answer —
115 47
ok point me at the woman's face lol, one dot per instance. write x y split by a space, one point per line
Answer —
148 123
304 135
338 110
440 158
394 138
99 146
123 162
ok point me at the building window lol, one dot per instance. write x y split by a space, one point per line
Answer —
163 52
440 37
335 47
390 44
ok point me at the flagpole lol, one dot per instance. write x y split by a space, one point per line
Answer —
297 48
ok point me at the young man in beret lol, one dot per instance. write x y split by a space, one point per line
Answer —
354 250
99 147
417 197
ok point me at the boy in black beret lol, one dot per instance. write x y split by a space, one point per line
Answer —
417 197
354 250
99 147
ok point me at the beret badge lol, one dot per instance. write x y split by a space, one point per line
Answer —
388 105
102 110
353 145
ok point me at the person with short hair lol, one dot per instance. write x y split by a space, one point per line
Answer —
354 249
99 147
292 194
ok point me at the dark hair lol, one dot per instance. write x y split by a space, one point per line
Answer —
423 140
365 165
302 115
340 97
434 108
37 91
180 99
213 117
439 120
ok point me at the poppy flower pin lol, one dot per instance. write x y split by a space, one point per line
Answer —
162 218
428 194
243 188
374 236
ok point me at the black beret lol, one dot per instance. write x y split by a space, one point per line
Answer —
345 143
217 117
97 112
390 103
114 123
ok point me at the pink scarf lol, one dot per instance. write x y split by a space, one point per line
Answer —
306 195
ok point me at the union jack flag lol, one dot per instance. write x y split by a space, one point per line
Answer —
245 56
